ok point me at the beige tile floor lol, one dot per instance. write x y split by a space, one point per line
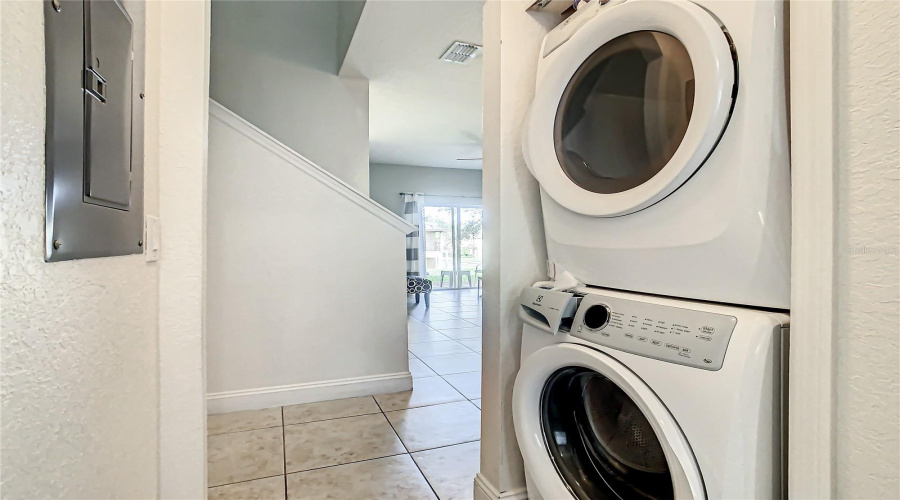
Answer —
419 444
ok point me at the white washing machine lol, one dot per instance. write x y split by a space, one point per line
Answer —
658 134
637 396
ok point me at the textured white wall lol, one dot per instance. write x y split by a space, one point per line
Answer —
305 286
513 225
868 189
79 338
275 63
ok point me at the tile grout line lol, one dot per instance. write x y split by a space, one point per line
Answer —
355 461
244 481
443 377
282 425
284 453
424 477
461 393
408 453
453 386
445 446
463 400
245 430
348 463
384 414
332 418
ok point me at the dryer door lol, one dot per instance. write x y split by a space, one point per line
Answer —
630 106
589 428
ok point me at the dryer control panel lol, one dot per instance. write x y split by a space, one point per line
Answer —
683 336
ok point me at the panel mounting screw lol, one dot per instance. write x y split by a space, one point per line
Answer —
140 243
57 6
142 95
56 244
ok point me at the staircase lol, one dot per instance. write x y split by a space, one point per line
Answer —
306 296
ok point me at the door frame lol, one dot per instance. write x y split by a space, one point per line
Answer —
814 161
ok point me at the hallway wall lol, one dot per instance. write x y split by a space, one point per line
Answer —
79 344
386 182
275 64
867 345
306 279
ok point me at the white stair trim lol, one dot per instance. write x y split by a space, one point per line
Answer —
306 166
311 392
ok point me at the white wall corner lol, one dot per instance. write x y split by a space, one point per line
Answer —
515 243
179 75
811 470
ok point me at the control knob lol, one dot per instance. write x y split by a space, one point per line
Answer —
596 316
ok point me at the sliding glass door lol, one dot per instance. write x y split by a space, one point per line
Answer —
453 245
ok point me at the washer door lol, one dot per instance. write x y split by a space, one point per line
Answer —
630 106
589 428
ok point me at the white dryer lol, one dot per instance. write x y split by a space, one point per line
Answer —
647 397
658 134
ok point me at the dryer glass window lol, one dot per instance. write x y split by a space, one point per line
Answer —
600 441
625 112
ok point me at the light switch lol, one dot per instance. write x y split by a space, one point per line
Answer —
151 238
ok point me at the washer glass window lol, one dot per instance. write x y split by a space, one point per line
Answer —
601 443
625 112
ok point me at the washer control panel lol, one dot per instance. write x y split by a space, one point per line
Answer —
683 336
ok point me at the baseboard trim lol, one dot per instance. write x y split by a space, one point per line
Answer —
282 395
484 490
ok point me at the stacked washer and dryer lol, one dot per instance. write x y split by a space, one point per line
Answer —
658 134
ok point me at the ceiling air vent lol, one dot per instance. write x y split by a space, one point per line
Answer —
461 52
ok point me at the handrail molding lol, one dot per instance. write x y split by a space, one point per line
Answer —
276 147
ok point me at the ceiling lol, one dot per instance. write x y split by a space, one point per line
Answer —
422 111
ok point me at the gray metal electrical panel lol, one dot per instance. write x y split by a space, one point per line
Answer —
94 141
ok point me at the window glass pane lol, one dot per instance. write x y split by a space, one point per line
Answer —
470 246
625 112
439 245
453 245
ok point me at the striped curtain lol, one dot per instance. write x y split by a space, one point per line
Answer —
415 241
